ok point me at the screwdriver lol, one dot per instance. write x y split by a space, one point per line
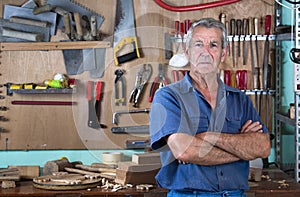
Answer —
232 32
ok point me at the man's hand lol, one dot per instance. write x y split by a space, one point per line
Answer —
250 126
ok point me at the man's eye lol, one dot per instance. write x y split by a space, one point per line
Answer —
198 44
212 45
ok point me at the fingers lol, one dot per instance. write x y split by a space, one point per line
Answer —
182 162
244 127
250 126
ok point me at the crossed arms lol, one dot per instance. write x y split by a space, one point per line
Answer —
213 148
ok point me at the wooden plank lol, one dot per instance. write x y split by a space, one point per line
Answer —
27 172
42 46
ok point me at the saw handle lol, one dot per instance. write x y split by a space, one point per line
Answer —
128 57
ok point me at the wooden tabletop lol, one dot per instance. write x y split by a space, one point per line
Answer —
271 186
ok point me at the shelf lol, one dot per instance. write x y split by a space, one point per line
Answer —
41 91
38 46
230 38
285 119
263 92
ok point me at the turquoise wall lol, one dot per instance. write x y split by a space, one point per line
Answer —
41 157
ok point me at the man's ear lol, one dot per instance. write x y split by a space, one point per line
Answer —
224 53
186 51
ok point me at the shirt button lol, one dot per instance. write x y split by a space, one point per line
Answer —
221 173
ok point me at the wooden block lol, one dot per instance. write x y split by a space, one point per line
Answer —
124 177
146 158
27 172
134 167
12 174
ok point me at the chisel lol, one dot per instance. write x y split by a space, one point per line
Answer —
254 71
239 32
232 32
255 23
245 32
266 66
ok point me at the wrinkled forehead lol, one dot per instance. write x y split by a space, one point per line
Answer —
205 34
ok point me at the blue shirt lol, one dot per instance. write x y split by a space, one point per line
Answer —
179 107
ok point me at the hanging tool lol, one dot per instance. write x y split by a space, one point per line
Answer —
133 111
73 6
245 33
124 32
141 129
266 78
256 30
194 7
267 73
94 104
141 79
239 33
232 32
159 81
99 88
266 65
120 81
253 68
137 144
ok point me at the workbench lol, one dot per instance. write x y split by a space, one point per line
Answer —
264 188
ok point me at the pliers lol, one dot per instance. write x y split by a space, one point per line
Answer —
141 79
159 81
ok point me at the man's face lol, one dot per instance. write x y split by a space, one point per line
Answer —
205 50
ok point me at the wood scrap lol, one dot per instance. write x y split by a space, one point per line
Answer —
27 172
146 158
90 175
95 169
103 165
11 174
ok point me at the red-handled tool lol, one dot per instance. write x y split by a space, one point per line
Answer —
94 107
99 86
159 81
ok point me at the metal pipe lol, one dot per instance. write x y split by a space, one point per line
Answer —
194 7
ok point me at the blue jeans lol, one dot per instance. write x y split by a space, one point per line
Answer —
235 193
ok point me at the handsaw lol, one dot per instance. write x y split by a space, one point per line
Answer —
124 32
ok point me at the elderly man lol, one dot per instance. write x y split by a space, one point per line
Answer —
207 132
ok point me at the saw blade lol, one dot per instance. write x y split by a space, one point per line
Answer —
124 21
73 6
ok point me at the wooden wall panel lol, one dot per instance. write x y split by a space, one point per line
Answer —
65 127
